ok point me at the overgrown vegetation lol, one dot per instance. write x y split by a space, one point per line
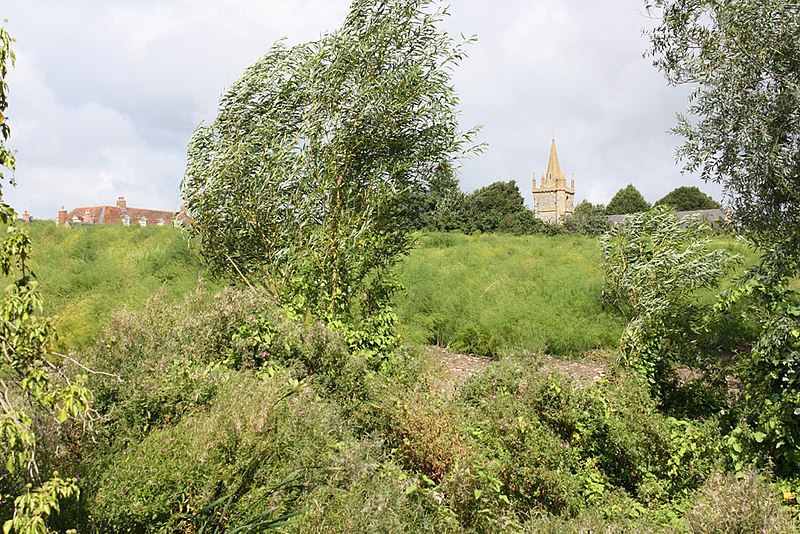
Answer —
491 294
246 409
742 56
198 407
88 272
226 412
655 264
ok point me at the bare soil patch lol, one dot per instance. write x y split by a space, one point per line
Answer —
584 372
456 368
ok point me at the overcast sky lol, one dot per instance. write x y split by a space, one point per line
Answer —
106 93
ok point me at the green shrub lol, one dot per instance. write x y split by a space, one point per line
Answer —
166 357
219 398
423 432
252 435
654 265
555 447
769 409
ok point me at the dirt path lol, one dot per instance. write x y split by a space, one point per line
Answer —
584 372
459 367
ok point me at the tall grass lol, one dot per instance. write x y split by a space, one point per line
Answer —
488 293
481 294
86 273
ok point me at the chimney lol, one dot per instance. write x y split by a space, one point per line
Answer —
121 204
62 216
26 217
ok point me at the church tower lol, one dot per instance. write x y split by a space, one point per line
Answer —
553 200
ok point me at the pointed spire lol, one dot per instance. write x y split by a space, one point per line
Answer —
554 172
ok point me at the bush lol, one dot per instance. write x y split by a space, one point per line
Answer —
588 219
167 356
252 435
654 264
550 446
769 407
220 398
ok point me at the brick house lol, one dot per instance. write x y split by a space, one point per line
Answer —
122 214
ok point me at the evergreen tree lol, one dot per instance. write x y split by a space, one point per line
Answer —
687 198
488 206
588 219
627 200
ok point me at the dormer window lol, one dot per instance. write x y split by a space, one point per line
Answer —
126 220
160 222
142 221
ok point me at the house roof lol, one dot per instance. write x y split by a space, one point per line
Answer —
115 214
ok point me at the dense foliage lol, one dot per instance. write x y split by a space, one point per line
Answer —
687 198
627 200
226 412
491 294
654 265
588 219
495 208
306 180
195 408
435 195
88 272
488 208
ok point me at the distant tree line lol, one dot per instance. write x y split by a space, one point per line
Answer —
500 207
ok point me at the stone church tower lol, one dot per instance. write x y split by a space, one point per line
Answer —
553 200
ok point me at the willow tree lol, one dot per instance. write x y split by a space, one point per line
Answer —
305 181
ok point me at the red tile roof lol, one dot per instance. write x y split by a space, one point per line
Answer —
117 214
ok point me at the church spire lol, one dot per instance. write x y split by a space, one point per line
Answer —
554 172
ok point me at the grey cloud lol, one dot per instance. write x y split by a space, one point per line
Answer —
107 93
